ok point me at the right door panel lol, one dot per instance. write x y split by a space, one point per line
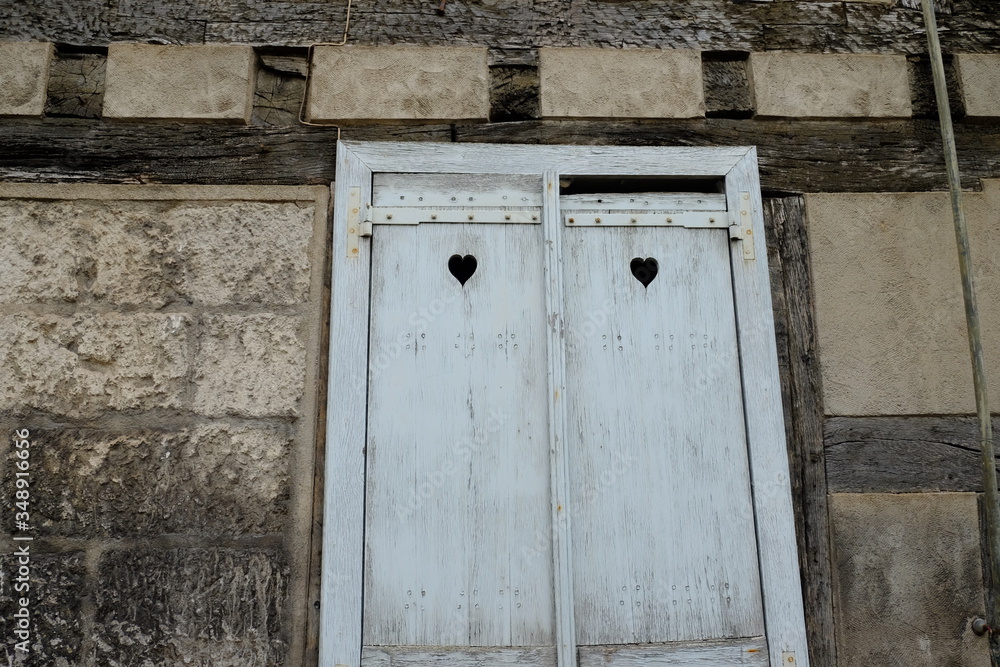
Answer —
664 545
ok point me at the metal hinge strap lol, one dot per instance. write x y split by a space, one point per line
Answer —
742 227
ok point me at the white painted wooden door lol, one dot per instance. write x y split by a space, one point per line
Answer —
664 550
457 485
459 566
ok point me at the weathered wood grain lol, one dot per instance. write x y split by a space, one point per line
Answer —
68 150
457 465
922 88
423 656
765 426
795 156
803 156
344 493
277 98
804 418
663 521
727 88
559 444
903 454
76 85
747 652
510 24
514 93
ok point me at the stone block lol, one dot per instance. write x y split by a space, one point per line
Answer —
979 81
219 607
889 309
244 252
210 82
40 257
621 83
801 85
907 579
210 480
250 366
402 83
152 253
57 589
24 72
88 364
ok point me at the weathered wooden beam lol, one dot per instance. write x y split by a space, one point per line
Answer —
795 156
973 26
76 85
62 150
903 454
802 394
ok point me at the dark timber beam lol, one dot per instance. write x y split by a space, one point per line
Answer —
802 399
903 454
795 156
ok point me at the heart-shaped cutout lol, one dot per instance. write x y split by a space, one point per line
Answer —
644 270
462 267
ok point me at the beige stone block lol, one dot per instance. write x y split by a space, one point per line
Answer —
244 252
24 73
830 85
152 253
363 83
907 579
250 366
40 259
889 308
211 82
979 81
88 364
621 83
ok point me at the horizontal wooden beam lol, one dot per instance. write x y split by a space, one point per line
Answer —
795 156
802 25
903 454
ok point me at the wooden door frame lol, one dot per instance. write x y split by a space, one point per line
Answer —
343 507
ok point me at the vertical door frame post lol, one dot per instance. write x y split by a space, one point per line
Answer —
562 541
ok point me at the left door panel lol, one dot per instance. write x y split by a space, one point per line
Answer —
457 492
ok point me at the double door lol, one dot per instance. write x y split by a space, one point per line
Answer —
557 462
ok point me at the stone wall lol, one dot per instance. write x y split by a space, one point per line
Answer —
162 345
897 384
218 83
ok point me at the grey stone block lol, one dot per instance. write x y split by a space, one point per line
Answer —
24 71
219 607
210 480
979 77
207 82
807 85
57 590
359 83
908 579
621 83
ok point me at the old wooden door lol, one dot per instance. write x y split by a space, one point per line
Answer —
664 549
458 459
563 443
